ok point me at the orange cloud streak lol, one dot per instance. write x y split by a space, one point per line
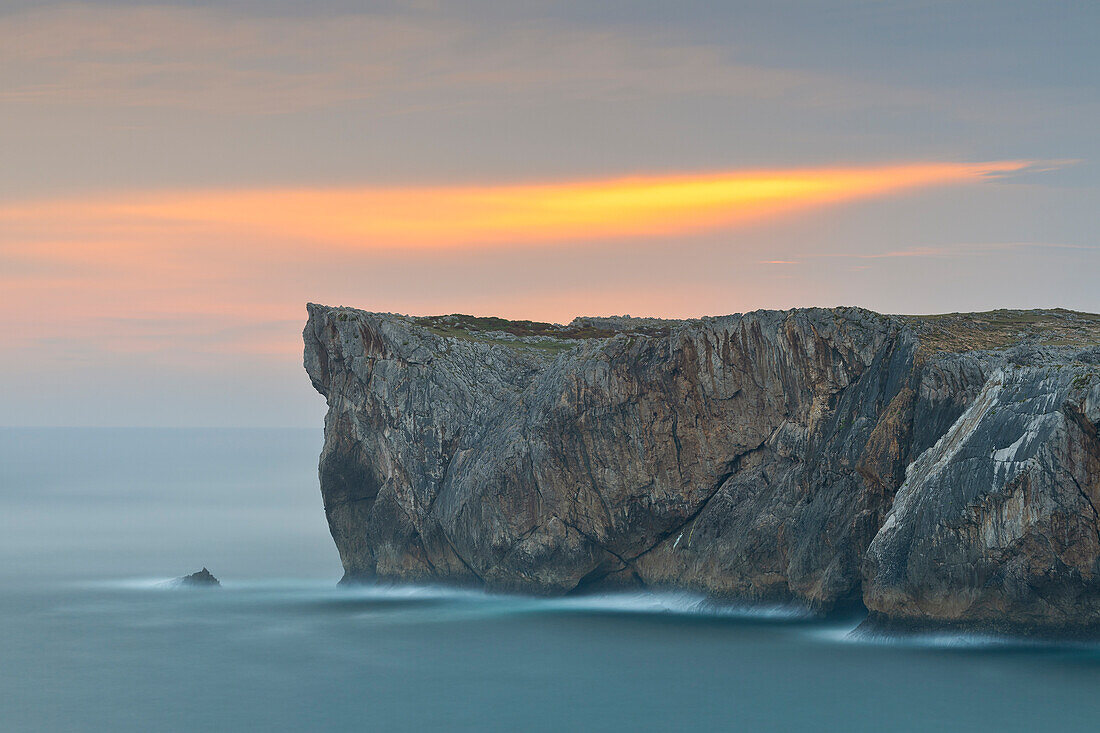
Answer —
75 271
434 217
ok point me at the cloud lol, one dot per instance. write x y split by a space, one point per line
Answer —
957 250
188 275
507 215
227 61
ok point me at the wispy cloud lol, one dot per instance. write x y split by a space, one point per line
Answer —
228 61
198 272
960 250
500 215
957 250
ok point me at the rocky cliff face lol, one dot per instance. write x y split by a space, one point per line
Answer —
996 524
940 469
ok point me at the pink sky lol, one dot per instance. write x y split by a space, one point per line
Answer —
183 258
180 178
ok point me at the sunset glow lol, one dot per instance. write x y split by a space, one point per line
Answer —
185 276
500 215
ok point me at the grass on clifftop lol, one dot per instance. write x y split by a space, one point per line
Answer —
458 323
1001 329
552 337
951 332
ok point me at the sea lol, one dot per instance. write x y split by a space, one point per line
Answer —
94 636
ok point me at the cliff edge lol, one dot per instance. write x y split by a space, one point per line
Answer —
943 470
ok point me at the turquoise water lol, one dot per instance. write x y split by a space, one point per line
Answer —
92 637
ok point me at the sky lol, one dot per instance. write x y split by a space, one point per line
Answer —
178 179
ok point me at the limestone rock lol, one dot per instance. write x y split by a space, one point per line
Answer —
754 457
996 525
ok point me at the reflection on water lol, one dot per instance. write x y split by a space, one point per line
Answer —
93 525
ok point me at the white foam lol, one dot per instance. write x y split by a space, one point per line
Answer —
686 604
135 583
408 591
921 640
627 602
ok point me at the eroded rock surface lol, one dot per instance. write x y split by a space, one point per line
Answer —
933 467
996 524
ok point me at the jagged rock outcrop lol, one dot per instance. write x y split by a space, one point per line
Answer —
201 579
813 456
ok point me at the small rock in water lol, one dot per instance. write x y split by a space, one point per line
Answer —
201 578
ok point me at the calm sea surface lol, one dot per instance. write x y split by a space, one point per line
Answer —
92 522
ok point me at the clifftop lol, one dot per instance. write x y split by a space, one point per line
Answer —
1001 329
946 332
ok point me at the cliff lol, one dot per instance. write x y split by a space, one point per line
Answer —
942 470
